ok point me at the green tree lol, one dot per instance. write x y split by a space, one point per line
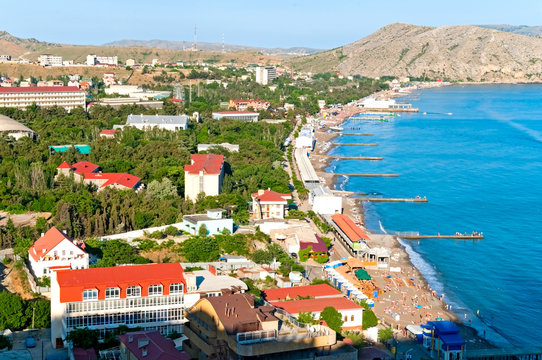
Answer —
307 318
369 318
333 318
40 309
12 311
202 231
385 335
83 338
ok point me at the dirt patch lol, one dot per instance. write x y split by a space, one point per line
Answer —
28 219
15 281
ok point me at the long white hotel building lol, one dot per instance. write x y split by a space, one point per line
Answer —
68 97
151 296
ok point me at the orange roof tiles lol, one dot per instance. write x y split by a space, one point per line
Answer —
316 305
351 230
316 291
73 282
64 165
84 167
47 242
271 196
208 163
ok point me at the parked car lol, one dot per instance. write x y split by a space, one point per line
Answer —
294 255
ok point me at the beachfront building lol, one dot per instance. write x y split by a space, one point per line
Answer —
227 146
232 327
373 104
443 340
254 105
15 129
265 74
203 175
269 204
324 202
54 250
306 170
248 116
350 234
320 291
305 139
89 173
164 122
213 222
68 97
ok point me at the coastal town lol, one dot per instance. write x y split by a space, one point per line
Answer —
195 217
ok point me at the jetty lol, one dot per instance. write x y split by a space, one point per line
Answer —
354 144
344 192
416 200
360 134
475 236
367 175
351 157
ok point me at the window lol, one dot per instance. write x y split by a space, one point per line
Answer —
133 291
352 318
155 290
90 294
112 293
345 318
176 288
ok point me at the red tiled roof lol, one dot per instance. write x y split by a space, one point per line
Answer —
82 354
51 89
108 132
316 291
73 282
47 242
318 246
316 305
271 196
64 165
158 348
123 179
351 230
208 163
84 167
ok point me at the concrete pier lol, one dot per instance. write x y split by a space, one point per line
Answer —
352 157
417 200
354 144
439 236
360 134
368 175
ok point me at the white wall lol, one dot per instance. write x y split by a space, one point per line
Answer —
63 249
328 205
348 313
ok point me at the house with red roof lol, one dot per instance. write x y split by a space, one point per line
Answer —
351 234
54 250
108 133
89 173
320 291
149 345
69 97
203 175
269 204
351 312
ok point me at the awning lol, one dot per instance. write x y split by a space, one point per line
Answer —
362 274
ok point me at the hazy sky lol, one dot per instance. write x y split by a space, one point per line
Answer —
280 23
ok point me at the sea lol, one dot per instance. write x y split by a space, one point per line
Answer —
475 152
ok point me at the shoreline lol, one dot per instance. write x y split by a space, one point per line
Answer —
406 297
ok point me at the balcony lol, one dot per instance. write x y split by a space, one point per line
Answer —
201 325
197 341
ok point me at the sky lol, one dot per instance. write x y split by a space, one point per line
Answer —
281 23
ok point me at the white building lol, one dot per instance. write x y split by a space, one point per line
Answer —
15 129
237 115
269 204
203 175
305 139
265 75
93 60
151 296
68 97
54 250
165 122
324 202
5 58
389 104
212 221
109 79
50 60
130 62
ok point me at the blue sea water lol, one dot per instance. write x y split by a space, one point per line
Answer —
481 170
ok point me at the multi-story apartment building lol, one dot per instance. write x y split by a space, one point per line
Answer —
243 105
269 204
265 74
68 97
151 297
50 60
148 296
54 250
203 175
94 59
232 327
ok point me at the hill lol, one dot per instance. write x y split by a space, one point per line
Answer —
459 53
520 29
14 46
215 47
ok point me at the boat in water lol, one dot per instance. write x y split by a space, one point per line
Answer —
336 128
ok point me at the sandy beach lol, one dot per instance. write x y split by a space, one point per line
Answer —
404 296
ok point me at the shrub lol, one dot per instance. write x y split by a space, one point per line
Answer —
171 231
157 235
385 335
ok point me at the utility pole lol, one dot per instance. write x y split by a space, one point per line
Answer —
195 38
198 90
190 91
223 49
